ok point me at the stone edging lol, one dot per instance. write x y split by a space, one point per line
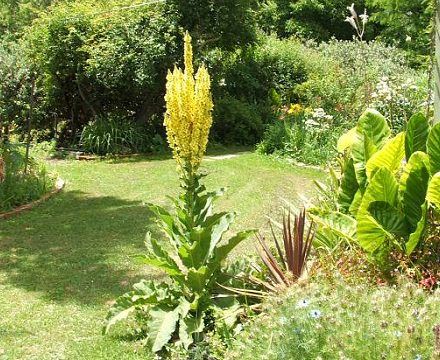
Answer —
59 185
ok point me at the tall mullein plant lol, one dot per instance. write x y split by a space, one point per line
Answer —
188 120
192 251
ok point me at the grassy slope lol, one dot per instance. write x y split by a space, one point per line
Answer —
62 263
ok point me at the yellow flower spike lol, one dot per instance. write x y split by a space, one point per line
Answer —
188 117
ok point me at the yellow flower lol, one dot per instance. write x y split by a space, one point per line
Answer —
295 109
188 116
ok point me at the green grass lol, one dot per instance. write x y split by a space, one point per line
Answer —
64 261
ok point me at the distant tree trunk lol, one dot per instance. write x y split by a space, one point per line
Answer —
437 63
29 124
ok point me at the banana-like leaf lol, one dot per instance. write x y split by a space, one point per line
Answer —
417 235
362 150
390 156
357 201
433 193
433 148
382 187
333 227
413 186
347 140
349 186
416 136
389 218
374 126
161 326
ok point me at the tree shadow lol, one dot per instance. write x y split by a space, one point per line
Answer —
75 248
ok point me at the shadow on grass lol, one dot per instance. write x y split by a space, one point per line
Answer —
75 248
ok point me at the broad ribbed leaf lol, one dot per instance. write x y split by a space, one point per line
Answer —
387 216
382 187
357 200
413 186
390 156
433 194
349 186
433 148
417 235
374 126
160 258
416 135
362 150
347 140
197 279
332 228
161 326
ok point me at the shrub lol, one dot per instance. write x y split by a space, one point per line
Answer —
18 187
330 319
236 122
114 135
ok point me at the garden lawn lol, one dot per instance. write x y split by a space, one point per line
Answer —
62 263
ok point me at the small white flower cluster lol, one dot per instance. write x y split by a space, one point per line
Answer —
353 20
319 119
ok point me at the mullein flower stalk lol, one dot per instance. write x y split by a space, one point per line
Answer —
188 119
188 116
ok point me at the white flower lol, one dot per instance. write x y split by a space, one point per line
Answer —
398 334
283 320
409 13
351 21
311 123
408 38
222 82
315 314
352 11
364 17
302 304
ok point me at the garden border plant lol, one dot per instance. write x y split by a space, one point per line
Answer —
192 302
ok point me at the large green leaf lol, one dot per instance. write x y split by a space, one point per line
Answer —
433 148
145 293
374 126
197 279
413 186
362 150
416 135
383 187
161 326
160 258
389 218
221 252
347 140
417 235
333 227
349 186
390 156
433 193
188 326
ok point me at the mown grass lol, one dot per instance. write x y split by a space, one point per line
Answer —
62 263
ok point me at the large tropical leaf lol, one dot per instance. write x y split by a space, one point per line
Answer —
161 326
389 217
347 140
383 187
433 148
417 235
349 186
413 186
362 150
390 156
374 126
433 193
417 132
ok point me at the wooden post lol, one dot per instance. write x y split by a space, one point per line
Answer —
437 63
